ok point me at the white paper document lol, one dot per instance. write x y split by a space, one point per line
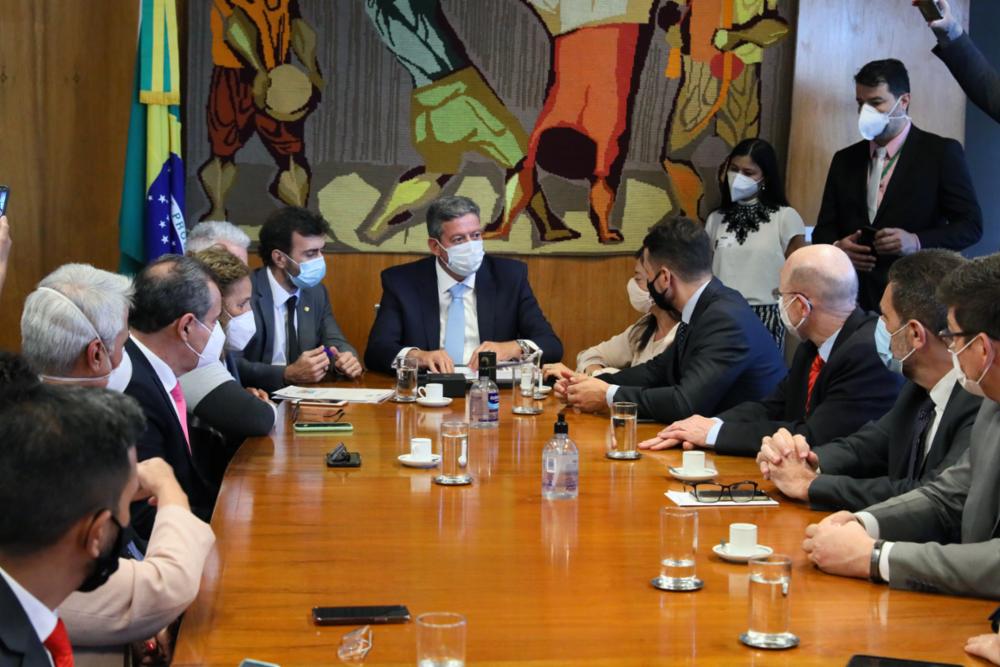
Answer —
685 499
349 394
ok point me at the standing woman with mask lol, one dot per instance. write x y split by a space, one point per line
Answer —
640 342
213 391
754 230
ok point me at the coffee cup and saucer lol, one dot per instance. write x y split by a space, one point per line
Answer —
742 544
420 455
693 468
431 395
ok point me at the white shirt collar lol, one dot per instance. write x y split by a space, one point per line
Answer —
826 348
689 307
160 367
941 392
42 619
278 292
445 281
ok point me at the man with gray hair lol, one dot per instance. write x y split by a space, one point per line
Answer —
221 233
837 381
74 325
174 325
444 310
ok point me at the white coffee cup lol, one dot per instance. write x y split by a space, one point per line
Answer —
433 391
420 448
693 461
742 538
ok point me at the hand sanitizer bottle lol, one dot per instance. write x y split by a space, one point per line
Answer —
484 396
560 464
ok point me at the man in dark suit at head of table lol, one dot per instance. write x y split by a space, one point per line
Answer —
837 381
445 309
900 189
721 356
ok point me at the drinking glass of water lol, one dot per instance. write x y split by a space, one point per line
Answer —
406 380
621 442
770 577
526 376
454 454
678 546
440 639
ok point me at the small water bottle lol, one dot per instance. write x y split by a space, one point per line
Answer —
484 396
560 464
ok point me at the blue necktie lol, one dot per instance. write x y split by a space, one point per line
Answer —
454 330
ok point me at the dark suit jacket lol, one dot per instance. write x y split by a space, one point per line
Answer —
163 437
853 388
410 314
19 645
316 326
728 358
930 194
977 77
871 465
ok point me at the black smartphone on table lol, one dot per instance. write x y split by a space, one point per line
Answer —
395 613
879 661
4 193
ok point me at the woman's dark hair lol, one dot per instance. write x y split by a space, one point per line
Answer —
772 191
644 329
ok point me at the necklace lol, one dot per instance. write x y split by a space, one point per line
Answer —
742 219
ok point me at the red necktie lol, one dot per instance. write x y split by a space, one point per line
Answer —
59 646
178 395
814 370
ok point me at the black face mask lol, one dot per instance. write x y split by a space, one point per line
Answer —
660 299
106 564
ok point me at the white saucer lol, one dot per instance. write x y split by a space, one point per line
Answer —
722 553
406 460
434 402
544 389
702 475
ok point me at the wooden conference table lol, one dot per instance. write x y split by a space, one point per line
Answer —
545 583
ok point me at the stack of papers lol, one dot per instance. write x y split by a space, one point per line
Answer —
686 499
331 394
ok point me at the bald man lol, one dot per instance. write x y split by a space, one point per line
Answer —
837 381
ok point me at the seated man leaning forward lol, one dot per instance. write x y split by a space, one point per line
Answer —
924 433
444 310
837 381
941 537
721 356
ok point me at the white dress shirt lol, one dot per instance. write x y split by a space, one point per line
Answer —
686 314
823 351
444 283
42 619
939 393
162 370
280 297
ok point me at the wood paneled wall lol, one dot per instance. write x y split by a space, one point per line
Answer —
66 75
833 41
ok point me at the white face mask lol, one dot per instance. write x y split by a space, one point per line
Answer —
789 327
240 330
465 259
969 385
212 351
638 297
122 375
872 122
741 186
93 330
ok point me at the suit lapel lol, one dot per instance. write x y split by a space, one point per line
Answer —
430 303
486 296
937 450
16 632
141 364
265 313
851 324
859 164
908 156
306 318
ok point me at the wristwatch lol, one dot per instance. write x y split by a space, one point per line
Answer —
525 348
873 572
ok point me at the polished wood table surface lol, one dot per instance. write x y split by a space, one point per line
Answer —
540 582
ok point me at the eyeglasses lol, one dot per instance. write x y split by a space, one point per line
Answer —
949 336
777 294
738 492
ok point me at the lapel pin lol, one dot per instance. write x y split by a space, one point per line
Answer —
306 308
